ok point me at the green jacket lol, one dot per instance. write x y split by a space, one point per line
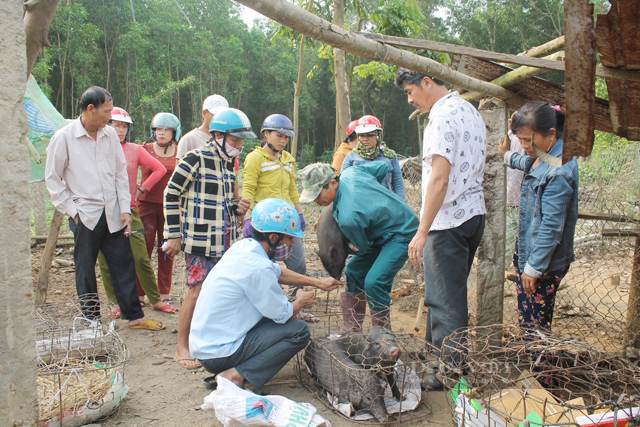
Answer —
369 214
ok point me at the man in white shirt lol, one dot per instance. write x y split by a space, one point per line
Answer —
453 210
243 326
86 175
199 136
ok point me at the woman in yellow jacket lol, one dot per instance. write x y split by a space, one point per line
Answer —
270 172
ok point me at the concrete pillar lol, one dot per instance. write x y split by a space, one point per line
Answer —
18 396
491 252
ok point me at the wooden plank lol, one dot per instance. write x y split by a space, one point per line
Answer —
607 217
629 12
534 89
579 79
495 56
47 258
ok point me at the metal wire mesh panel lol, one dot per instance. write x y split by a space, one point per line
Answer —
64 312
596 301
80 362
372 377
80 372
500 375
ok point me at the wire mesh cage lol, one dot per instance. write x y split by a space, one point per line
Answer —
80 362
369 377
88 306
80 368
503 375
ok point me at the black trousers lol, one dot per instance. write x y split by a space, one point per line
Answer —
117 251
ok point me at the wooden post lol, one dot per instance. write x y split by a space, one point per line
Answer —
39 206
491 279
47 258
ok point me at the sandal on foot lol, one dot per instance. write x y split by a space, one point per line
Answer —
142 304
167 308
115 313
168 300
433 384
307 317
187 362
210 383
150 325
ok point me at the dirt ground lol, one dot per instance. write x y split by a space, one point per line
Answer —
165 394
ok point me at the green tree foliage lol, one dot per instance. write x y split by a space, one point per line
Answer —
164 61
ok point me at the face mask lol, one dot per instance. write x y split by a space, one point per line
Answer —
231 151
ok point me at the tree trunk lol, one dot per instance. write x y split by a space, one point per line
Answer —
319 29
19 402
343 107
298 91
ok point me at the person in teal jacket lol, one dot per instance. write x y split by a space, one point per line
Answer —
378 223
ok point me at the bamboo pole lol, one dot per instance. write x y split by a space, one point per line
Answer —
544 49
47 258
319 29
516 76
520 59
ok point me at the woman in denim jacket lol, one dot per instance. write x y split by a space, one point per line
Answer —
548 210
371 148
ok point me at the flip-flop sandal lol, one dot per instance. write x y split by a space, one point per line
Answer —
116 313
150 325
167 308
187 359
142 304
433 384
210 383
168 301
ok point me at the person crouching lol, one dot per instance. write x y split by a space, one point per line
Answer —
242 327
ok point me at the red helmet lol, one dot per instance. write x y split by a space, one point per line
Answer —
352 127
120 115
368 124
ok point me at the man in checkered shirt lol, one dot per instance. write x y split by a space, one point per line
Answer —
202 205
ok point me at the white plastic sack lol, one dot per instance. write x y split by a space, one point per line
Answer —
235 407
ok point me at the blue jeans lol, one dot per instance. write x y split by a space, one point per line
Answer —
266 348
448 257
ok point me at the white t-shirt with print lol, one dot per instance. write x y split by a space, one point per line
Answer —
456 132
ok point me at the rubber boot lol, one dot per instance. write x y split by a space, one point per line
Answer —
354 307
381 319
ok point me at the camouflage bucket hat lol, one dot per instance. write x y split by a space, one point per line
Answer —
314 177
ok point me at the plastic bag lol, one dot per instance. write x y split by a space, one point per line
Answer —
235 407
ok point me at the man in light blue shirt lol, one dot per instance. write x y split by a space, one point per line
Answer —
243 326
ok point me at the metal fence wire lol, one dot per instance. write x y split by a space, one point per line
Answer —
513 374
598 301
368 377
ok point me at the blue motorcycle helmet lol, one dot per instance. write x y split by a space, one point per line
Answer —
280 123
276 216
232 121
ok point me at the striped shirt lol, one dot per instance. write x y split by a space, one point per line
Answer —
198 203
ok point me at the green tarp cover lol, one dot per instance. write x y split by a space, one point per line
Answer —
44 121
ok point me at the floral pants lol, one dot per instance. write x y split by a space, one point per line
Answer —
537 309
